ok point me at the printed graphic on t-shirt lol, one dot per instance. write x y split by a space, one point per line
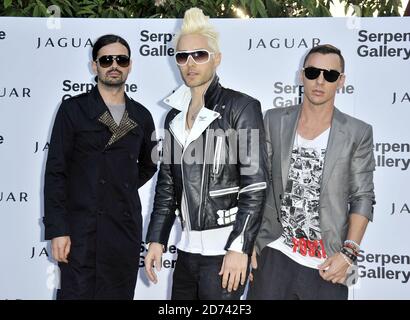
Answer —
300 205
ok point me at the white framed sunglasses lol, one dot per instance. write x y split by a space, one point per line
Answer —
199 56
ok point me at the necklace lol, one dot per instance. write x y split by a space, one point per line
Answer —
192 118
194 115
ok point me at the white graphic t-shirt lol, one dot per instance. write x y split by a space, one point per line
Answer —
301 239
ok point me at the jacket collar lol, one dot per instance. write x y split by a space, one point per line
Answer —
181 97
289 124
180 100
96 105
336 143
97 109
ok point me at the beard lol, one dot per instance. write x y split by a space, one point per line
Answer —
112 81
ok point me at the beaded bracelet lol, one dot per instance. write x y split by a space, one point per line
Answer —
346 259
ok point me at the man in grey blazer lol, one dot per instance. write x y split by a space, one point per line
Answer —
321 194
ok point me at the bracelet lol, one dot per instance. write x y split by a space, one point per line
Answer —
357 247
351 256
351 249
346 259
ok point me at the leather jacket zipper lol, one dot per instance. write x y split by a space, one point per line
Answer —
204 176
217 156
187 221
203 179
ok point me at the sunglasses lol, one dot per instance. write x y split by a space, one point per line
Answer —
199 56
107 61
330 75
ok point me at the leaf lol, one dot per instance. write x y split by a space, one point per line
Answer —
308 4
35 11
86 10
42 9
271 7
322 11
261 8
254 9
7 3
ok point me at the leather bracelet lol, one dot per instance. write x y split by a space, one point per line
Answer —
348 254
351 250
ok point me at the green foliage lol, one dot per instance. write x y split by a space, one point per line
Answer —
176 8
381 8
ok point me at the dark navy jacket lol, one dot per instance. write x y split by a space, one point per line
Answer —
93 172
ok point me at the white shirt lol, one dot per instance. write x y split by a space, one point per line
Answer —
301 239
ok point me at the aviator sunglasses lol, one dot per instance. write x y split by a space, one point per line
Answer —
330 75
107 61
199 56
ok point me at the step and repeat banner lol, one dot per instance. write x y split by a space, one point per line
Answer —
46 60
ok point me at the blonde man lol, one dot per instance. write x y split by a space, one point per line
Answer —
213 173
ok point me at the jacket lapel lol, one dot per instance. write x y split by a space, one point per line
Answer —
335 145
177 127
126 125
96 105
180 100
289 123
203 120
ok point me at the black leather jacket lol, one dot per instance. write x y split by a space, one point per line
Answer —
229 189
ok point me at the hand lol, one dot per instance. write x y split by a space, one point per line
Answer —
153 258
60 248
336 269
233 270
254 264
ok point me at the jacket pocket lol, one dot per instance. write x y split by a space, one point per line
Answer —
222 192
254 187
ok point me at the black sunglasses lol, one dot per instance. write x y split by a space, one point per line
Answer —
199 56
330 75
107 61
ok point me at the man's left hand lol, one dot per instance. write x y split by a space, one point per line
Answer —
233 270
334 269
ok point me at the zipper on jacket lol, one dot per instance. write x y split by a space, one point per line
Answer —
203 174
244 227
187 221
217 155
203 178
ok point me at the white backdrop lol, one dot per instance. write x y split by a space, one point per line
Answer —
43 60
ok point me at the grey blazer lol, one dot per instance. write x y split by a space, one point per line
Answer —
347 178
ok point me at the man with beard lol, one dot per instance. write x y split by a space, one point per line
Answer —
99 155
218 184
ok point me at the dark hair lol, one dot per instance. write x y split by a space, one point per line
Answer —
106 40
326 49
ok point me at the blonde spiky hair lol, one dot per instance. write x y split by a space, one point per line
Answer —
195 22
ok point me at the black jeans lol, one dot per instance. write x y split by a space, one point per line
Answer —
196 277
280 278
